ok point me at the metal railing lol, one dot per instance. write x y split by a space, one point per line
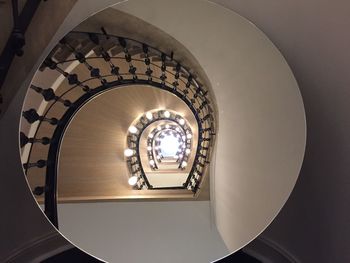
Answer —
144 66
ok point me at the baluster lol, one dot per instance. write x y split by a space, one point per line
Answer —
24 140
39 190
32 116
39 164
49 95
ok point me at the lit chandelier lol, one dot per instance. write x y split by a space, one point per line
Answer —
170 141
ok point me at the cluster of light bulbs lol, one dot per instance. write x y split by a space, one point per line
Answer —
182 149
162 132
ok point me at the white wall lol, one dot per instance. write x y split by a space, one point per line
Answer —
262 130
144 232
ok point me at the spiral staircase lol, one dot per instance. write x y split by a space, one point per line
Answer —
110 63
113 97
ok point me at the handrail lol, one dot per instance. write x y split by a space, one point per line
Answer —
184 86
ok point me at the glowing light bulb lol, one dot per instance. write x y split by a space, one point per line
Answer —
149 148
189 136
128 152
167 126
133 129
151 162
149 115
159 128
150 135
132 180
188 151
166 114
183 164
182 121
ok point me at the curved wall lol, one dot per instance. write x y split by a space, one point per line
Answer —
262 129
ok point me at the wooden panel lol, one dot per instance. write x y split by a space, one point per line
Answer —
92 165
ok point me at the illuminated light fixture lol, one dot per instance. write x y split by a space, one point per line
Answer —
189 136
149 148
188 151
132 180
150 135
133 129
149 116
169 145
183 164
151 162
159 128
182 121
177 129
167 126
166 114
128 152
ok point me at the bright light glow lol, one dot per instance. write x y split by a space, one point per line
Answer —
132 180
150 135
177 129
159 128
149 148
151 162
149 115
166 114
169 146
133 129
188 151
128 152
182 121
184 164
167 126
189 136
